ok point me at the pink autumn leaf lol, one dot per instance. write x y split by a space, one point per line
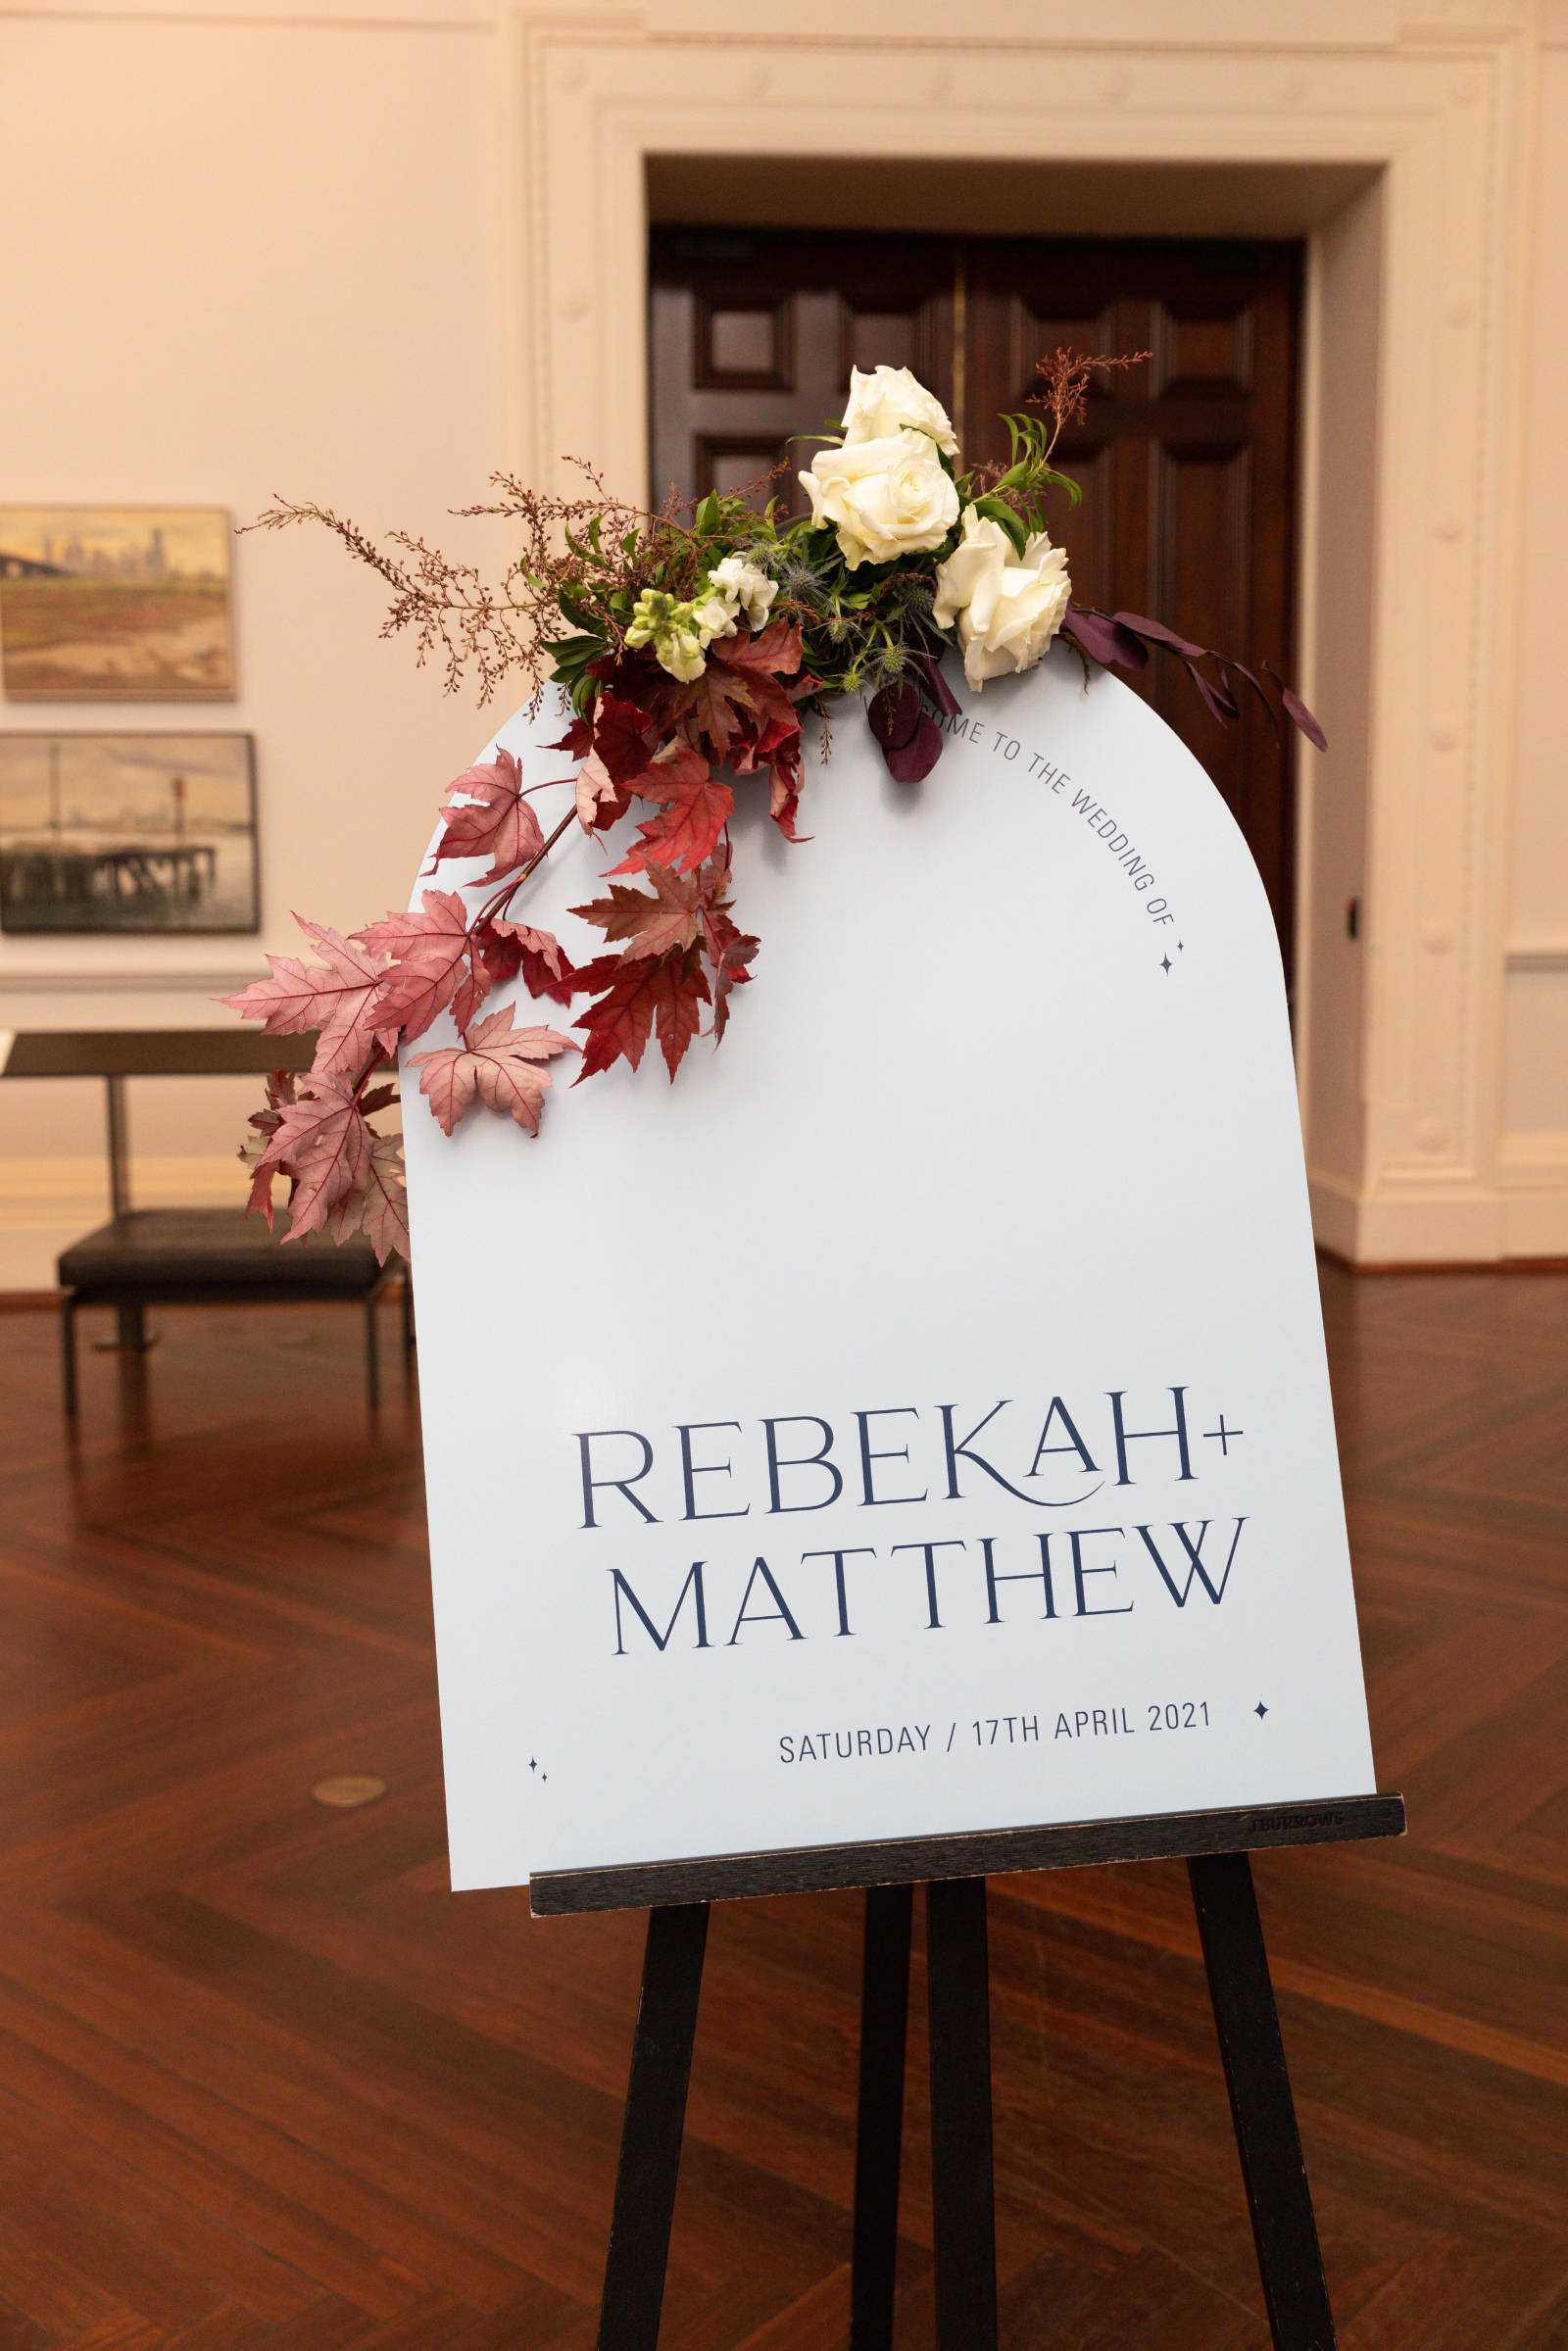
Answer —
322 1142
497 1065
378 1206
486 815
341 998
434 964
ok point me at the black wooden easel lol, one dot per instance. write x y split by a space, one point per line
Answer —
1216 1846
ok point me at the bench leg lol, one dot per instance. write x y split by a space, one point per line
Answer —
68 1351
372 1355
130 1330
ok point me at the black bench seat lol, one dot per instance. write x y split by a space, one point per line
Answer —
172 1256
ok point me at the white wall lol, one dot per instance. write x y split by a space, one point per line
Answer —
1535 1108
244 258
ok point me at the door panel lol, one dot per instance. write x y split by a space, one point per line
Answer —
753 337
1186 462
1186 465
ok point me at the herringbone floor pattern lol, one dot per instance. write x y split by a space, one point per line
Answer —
265 2086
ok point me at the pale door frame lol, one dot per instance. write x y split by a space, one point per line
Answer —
1410 461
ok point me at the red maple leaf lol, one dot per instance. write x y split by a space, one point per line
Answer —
435 965
742 707
621 737
694 806
341 999
665 991
653 923
577 739
507 948
730 952
497 1065
614 740
784 798
490 818
774 654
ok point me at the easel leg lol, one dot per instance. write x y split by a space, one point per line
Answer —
884 2027
650 2134
962 2194
1284 2231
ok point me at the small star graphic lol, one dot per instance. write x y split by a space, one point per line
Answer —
1181 947
1261 1710
1166 963
532 1766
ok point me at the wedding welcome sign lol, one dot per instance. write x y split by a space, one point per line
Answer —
916 1419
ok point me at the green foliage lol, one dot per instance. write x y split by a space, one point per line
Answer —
858 628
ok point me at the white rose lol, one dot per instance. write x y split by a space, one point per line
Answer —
890 398
745 587
886 498
1008 605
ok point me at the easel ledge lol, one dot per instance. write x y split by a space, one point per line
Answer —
979 1854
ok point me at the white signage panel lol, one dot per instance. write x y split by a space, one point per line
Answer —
915 1419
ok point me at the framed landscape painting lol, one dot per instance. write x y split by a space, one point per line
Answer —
131 833
115 604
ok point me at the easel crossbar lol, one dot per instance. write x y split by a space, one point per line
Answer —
981 1853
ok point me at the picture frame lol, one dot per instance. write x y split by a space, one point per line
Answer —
116 603
134 834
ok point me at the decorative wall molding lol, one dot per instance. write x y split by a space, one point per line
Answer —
1222 24
343 15
1436 104
1549 954
132 980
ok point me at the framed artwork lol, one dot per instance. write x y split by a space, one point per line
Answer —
128 833
115 604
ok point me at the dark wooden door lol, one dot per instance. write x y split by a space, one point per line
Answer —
1187 462
752 336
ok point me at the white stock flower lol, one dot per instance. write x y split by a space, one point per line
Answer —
676 635
891 398
1008 605
744 587
885 498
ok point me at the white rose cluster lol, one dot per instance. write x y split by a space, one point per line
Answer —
886 494
1008 605
884 489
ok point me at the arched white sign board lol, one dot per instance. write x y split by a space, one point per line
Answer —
968 1287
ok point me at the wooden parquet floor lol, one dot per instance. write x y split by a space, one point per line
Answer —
267 2086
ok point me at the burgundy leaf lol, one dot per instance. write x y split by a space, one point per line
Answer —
943 698
1297 712
1162 635
1259 688
1103 638
893 714
1218 700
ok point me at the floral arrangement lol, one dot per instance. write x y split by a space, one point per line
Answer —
689 644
